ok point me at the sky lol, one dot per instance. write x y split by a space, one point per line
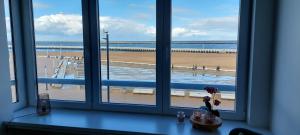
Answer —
7 19
135 20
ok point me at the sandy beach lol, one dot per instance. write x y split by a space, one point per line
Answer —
125 95
179 59
226 61
184 61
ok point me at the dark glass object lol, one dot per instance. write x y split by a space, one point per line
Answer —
43 104
180 117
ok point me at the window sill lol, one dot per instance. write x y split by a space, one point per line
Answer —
80 121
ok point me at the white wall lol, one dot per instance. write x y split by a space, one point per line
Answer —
286 85
5 94
258 114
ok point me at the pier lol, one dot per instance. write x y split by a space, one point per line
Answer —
60 72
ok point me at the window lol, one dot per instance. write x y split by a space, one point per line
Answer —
204 50
11 52
128 50
59 49
152 56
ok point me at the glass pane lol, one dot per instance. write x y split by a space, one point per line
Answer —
70 92
11 51
193 98
128 44
59 46
204 48
129 95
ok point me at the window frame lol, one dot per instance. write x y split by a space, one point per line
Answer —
16 40
241 85
27 6
93 82
14 81
123 107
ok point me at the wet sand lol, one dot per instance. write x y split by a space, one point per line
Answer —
126 96
120 95
209 60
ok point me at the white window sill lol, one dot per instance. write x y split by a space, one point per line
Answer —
82 121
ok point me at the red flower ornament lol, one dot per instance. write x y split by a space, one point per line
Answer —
217 102
211 90
206 99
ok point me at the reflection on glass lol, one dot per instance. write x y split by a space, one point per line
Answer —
204 48
63 92
59 46
129 95
193 98
128 44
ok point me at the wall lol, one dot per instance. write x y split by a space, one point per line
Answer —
260 73
286 85
5 94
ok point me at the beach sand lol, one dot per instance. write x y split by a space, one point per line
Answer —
226 61
181 59
123 95
126 96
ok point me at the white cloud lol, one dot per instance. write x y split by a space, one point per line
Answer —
59 25
68 24
182 10
7 21
148 6
122 29
184 32
218 28
142 16
64 26
40 5
8 28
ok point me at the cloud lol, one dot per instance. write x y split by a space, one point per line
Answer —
8 28
7 21
147 6
49 27
69 27
217 28
184 32
68 24
124 29
182 10
142 16
40 5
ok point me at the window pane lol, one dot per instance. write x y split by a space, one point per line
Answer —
204 49
59 46
70 92
11 51
128 44
130 95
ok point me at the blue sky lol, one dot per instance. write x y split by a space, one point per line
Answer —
135 19
7 18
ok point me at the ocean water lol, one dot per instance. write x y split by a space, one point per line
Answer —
148 74
177 76
174 45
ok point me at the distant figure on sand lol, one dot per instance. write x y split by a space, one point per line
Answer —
195 67
218 68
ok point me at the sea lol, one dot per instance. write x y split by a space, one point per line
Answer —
151 44
148 74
